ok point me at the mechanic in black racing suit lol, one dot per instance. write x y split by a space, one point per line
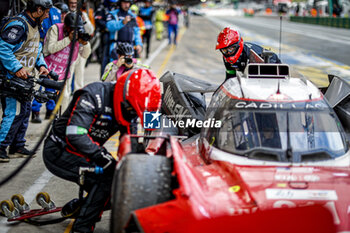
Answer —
76 140
236 52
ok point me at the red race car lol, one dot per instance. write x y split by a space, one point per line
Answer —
266 143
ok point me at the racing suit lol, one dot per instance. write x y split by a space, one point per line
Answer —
76 140
243 59
19 48
119 32
146 13
54 17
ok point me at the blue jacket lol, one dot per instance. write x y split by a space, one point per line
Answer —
54 17
12 36
115 24
146 13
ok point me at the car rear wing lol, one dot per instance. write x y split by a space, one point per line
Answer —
338 97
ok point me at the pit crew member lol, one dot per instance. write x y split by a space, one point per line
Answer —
95 114
236 52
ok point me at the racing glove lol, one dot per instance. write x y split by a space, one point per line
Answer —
105 160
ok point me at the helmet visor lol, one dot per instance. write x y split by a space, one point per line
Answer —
230 50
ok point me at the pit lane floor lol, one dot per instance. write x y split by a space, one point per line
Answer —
194 55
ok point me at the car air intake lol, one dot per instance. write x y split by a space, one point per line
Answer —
263 70
314 157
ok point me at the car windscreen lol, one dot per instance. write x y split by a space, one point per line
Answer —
281 135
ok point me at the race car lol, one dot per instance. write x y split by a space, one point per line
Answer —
266 141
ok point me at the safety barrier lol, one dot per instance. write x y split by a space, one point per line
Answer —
326 21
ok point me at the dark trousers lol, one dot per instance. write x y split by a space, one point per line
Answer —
66 165
146 39
105 51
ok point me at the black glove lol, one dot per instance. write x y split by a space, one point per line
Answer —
105 160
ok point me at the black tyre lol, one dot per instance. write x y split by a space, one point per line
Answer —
141 181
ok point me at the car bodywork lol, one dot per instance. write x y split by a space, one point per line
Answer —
218 176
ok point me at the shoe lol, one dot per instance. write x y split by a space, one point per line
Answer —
48 114
72 208
20 152
3 156
36 118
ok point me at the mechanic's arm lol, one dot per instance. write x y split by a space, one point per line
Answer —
80 122
11 39
113 24
52 44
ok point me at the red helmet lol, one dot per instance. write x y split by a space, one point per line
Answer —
230 44
136 91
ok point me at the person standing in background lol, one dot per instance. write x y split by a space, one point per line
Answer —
146 13
122 27
101 21
79 64
173 14
64 9
89 12
54 17
159 24
57 49
140 23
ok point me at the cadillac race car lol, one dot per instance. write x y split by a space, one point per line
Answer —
266 142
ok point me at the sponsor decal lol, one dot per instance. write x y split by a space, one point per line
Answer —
293 194
177 109
240 211
234 189
267 105
107 117
99 133
99 101
295 169
86 104
108 109
286 177
340 174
